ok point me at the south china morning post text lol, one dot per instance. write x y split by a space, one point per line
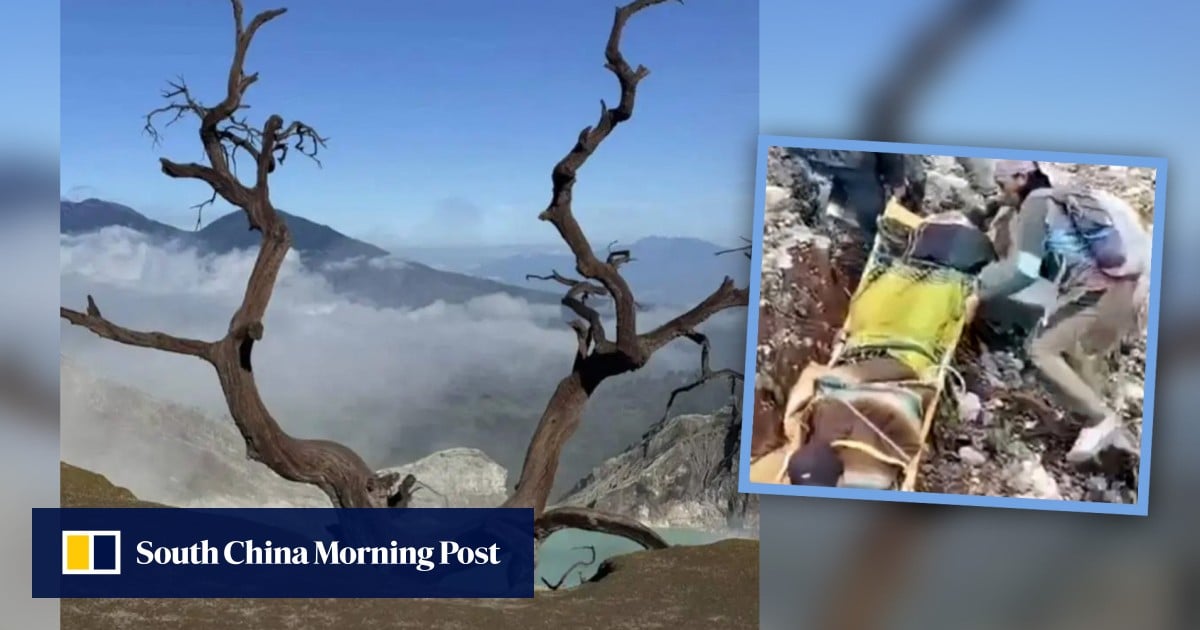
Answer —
239 552
283 552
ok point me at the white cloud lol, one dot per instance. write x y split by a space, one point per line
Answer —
388 262
327 367
376 262
344 265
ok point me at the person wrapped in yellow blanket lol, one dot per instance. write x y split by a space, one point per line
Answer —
911 312
859 421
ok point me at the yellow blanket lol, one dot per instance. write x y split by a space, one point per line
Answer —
915 312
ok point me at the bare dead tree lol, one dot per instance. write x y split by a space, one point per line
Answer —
578 564
598 356
706 373
338 471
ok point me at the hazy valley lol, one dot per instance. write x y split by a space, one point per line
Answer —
393 357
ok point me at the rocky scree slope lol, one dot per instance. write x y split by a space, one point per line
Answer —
683 473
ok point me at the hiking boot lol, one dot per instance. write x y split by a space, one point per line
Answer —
1092 440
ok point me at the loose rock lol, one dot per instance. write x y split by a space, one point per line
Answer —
1031 479
969 407
971 456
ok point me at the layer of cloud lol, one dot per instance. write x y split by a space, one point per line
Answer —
326 367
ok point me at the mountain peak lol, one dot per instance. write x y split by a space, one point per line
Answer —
91 214
322 249
313 240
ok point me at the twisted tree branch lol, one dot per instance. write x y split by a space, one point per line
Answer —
223 134
578 564
706 372
726 296
592 325
559 211
338 471
598 357
590 520
745 249
95 322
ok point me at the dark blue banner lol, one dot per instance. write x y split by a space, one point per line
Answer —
282 552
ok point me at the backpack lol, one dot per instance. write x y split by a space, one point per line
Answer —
1109 230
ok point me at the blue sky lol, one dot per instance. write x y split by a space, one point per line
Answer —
1105 76
29 34
444 118
1046 74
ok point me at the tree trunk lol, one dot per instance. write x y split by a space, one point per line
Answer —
558 423
332 467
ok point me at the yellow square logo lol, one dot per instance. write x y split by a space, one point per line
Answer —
91 552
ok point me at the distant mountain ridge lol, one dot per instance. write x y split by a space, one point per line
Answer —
321 244
664 271
355 268
675 271
90 215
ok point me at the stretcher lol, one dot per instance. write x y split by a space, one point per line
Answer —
908 308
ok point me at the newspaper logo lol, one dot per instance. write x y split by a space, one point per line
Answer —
91 553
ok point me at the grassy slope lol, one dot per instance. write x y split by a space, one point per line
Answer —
709 586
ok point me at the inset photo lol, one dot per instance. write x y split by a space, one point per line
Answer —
952 325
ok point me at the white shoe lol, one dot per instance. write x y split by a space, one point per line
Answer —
1093 440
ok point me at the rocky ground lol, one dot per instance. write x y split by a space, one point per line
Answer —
682 474
1003 437
703 586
